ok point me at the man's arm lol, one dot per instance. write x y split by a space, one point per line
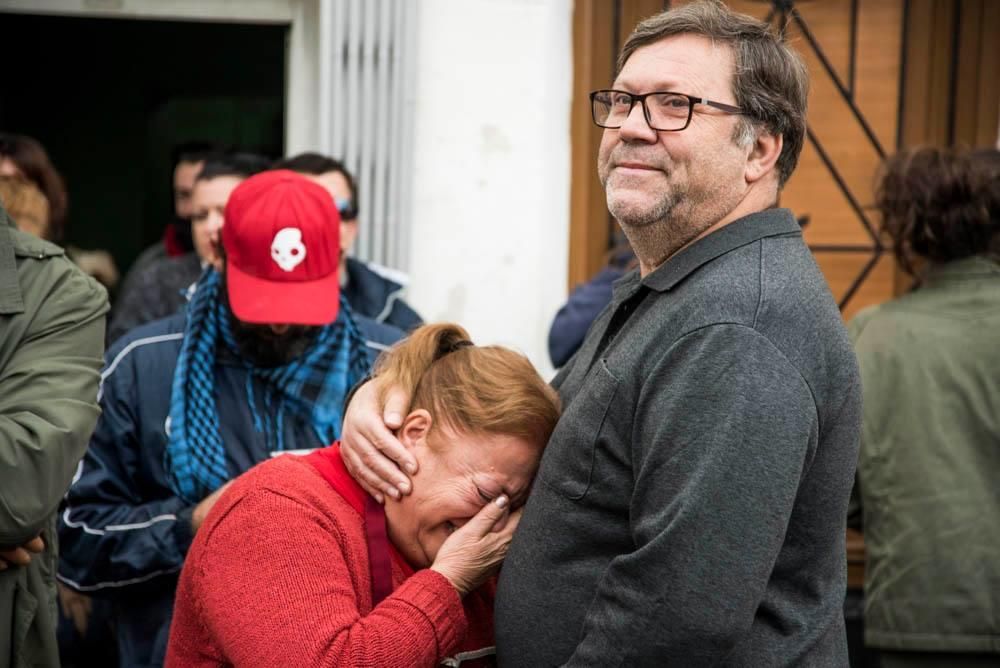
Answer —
120 527
48 400
725 427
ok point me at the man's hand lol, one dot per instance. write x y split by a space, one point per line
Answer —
476 549
372 454
76 607
202 509
21 556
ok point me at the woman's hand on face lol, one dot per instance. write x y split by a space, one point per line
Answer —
373 456
475 551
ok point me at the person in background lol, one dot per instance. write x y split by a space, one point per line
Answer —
163 286
23 160
402 588
927 485
585 303
259 363
51 339
371 290
187 159
25 157
26 205
84 630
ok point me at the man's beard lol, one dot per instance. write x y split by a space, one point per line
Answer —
630 216
260 346
659 205
264 349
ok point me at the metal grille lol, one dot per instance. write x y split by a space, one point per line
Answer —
782 14
365 119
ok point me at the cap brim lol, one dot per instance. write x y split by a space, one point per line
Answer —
259 301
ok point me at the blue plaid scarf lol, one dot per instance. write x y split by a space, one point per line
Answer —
311 387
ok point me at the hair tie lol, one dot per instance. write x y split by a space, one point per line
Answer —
458 345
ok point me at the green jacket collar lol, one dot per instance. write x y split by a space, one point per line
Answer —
973 267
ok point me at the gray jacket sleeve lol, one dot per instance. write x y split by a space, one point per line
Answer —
724 429
48 401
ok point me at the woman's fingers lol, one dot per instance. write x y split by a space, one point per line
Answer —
475 549
488 517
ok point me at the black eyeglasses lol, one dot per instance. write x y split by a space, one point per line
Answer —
664 111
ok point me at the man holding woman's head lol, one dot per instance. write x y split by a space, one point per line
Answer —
301 554
691 502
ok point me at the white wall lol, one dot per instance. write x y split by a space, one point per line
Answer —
490 193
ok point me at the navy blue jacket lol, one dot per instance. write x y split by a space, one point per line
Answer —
123 533
576 316
378 297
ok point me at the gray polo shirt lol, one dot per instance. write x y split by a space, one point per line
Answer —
690 506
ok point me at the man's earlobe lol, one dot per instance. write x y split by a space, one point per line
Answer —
764 156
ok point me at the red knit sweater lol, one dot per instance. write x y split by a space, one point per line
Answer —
278 575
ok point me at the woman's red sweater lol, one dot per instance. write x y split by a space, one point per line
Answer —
278 575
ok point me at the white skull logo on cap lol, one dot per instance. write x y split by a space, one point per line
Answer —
287 249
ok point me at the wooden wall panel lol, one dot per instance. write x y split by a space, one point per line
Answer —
593 56
852 51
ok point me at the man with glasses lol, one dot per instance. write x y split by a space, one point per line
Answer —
373 291
690 506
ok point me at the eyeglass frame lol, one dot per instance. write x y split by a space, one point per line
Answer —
692 100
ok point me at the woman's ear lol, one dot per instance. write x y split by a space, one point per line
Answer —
415 428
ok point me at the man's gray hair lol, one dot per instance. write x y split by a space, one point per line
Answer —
770 81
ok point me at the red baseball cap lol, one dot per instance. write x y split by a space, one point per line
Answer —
282 242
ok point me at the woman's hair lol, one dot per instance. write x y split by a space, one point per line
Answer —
26 205
31 158
940 204
475 389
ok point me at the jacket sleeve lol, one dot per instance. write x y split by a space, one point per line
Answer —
404 317
295 569
48 396
709 513
121 525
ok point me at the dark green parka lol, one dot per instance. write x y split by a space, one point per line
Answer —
51 347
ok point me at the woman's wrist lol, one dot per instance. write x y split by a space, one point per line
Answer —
458 583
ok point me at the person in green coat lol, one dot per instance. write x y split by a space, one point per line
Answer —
51 347
929 467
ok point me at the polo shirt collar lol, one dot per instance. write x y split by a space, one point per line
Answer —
741 232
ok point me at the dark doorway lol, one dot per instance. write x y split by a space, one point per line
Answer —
109 98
